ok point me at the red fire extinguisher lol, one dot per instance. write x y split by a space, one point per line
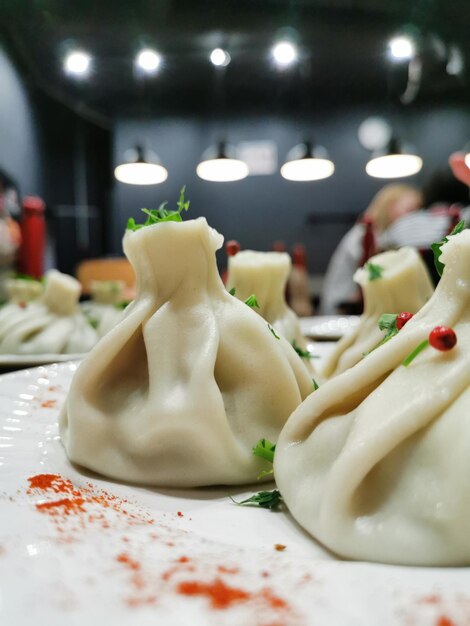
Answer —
33 235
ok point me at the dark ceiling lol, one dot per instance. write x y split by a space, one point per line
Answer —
342 42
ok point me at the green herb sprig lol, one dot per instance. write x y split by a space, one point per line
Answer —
122 305
155 216
304 354
265 449
437 247
375 271
273 331
271 500
412 356
315 385
232 291
252 302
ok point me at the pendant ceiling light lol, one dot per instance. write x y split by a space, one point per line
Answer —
219 164
394 162
141 168
306 162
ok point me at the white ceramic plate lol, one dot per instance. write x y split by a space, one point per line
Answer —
31 360
93 552
328 327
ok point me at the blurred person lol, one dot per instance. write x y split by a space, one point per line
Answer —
391 203
459 167
446 201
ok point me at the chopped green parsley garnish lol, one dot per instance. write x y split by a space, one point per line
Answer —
375 271
264 499
436 247
232 291
252 301
315 385
273 331
304 354
94 323
412 356
388 322
265 449
155 216
122 305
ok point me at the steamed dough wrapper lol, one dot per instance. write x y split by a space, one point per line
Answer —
53 324
265 275
179 392
104 310
23 290
376 463
22 294
405 285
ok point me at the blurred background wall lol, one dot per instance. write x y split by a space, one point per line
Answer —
20 148
62 133
260 209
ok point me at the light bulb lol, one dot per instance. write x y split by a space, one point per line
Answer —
148 60
394 166
307 169
222 170
402 48
77 63
219 57
284 53
141 173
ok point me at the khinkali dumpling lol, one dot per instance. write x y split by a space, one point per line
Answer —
392 282
265 275
22 294
104 310
53 324
23 290
376 463
179 392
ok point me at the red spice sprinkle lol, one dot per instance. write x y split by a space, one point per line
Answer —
52 482
49 404
179 514
433 599
128 561
183 559
279 547
227 570
221 596
444 621
274 601
87 504
66 505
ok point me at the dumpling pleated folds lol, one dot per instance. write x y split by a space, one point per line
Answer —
404 284
265 275
179 392
51 323
376 463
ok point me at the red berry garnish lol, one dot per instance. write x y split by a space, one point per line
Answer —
402 318
232 247
442 338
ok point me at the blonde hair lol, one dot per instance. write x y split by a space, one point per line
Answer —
379 210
